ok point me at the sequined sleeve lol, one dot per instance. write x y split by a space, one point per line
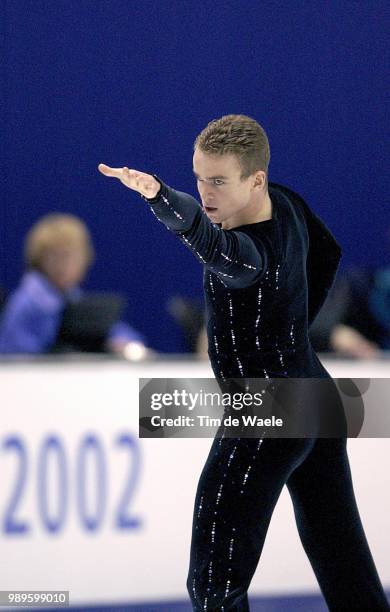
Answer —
230 254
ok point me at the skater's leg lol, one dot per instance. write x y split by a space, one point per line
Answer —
331 530
237 492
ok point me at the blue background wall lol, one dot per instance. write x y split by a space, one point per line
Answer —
132 83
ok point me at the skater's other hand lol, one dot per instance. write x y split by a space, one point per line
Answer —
145 184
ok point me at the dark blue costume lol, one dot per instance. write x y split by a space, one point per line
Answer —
264 284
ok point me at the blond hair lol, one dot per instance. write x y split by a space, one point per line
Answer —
56 230
238 135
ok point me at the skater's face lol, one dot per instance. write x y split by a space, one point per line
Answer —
223 193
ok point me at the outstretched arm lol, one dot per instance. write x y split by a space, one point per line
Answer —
230 254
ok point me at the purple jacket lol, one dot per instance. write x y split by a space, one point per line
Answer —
33 313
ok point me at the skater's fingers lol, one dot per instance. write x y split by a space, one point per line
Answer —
144 183
132 175
107 171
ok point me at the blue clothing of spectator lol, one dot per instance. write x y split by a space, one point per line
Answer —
32 317
379 303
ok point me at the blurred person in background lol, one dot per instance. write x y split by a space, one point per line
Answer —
355 319
58 253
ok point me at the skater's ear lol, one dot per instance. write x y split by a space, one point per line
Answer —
259 180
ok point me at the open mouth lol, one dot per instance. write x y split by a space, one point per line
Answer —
210 209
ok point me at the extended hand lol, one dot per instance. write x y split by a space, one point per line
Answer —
145 184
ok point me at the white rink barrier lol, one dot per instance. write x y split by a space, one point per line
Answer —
87 506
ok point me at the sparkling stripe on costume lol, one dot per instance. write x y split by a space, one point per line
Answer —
216 344
280 357
239 262
277 277
210 570
247 474
231 456
212 286
219 494
194 585
231 547
292 337
200 506
195 251
258 318
259 444
215 531
217 352
172 208
234 337
223 274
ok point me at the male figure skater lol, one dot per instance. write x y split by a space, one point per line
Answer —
269 262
